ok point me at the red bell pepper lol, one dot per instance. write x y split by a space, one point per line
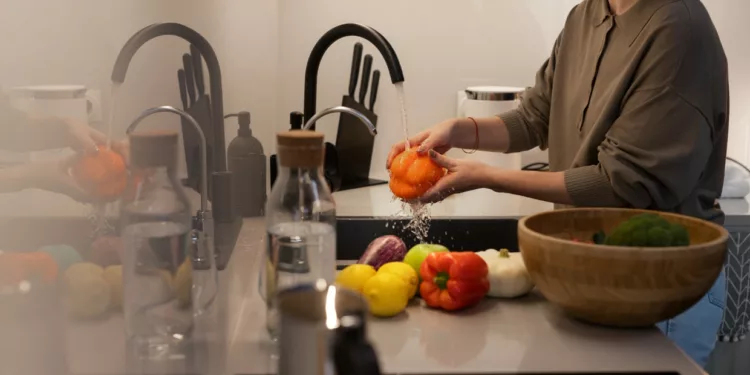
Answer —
16 267
453 281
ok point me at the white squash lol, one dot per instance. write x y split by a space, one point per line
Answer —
507 274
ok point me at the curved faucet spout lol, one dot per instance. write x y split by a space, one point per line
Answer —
202 146
341 109
336 33
212 64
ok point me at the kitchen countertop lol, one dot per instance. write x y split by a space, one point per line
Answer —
510 336
368 201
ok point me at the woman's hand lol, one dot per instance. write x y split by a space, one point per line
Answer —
87 139
463 175
437 138
55 176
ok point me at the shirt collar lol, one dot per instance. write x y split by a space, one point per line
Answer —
635 19
600 12
632 21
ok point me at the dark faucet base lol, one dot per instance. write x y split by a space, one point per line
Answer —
226 235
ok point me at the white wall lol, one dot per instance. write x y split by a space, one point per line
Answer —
246 41
729 16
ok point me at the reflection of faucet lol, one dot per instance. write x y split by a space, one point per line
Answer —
202 146
309 124
203 222
336 33
202 252
214 72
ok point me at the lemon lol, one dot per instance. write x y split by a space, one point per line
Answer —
404 271
182 284
355 276
113 277
386 294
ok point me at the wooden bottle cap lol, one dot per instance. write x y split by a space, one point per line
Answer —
150 149
300 149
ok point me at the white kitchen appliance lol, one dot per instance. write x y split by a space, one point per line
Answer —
736 180
487 101
75 102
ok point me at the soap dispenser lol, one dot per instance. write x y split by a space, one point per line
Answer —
247 162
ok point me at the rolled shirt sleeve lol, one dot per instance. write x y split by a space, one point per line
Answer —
528 125
653 155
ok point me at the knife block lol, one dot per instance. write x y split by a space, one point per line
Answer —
354 146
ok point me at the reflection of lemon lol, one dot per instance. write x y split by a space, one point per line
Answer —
183 283
355 276
270 280
113 276
386 294
404 271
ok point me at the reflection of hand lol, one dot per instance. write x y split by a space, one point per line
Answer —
463 175
55 176
85 138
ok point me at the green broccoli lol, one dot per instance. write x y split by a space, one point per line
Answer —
648 230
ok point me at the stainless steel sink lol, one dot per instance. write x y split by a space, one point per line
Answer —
353 234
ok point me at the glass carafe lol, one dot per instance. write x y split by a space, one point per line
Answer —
157 264
300 222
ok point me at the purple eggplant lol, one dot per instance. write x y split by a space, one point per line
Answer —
382 250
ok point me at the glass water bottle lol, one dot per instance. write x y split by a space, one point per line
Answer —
300 221
157 270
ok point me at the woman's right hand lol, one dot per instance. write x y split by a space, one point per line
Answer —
437 138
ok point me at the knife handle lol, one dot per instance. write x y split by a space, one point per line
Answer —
374 90
356 61
183 94
365 78
187 62
198 69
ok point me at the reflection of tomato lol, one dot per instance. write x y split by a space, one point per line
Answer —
413 174
102 174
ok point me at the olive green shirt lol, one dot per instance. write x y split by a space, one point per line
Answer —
633 108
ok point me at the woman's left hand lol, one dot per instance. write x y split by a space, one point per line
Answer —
463 175
54 176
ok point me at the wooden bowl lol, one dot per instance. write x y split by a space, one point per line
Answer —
618 286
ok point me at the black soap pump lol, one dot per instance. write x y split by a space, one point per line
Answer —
247 162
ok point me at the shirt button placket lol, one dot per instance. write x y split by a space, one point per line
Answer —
608 23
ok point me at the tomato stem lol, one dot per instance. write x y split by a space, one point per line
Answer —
441 280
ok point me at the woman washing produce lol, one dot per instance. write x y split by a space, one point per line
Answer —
633 106
23 133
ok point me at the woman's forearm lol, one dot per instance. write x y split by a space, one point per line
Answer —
17 178
492 134
24 133
545 186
